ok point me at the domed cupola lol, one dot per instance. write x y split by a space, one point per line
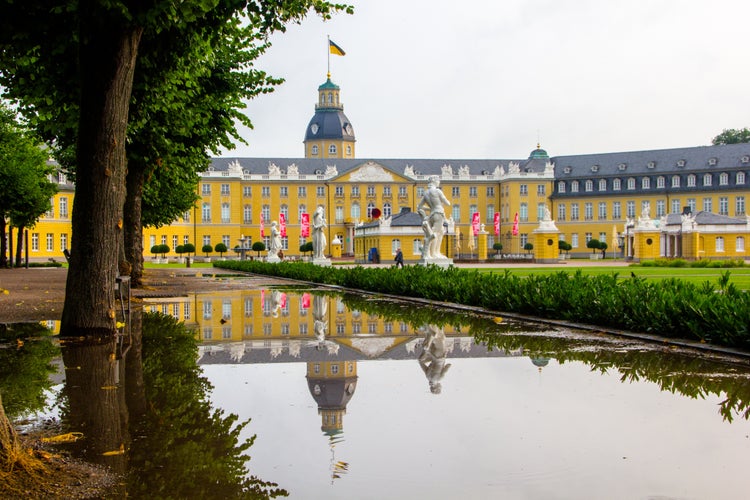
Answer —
538 154
330 133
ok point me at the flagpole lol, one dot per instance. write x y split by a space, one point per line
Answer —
328 51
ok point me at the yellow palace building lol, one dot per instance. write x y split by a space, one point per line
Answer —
685 202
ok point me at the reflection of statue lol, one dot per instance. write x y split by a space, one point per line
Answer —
318 236
433 358
320 312
276 303
434 198
275 245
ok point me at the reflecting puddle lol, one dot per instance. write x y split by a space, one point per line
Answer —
353 397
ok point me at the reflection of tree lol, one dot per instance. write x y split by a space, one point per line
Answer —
25 368
689 375
184 448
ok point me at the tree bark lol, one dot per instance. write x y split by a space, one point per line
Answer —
3 245
19 246
133 225
10 449
108 51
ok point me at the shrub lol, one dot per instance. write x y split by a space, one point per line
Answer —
207 249
221 248
258 246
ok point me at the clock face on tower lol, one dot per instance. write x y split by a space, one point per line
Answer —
314 128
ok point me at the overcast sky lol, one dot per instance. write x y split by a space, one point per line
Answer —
484 79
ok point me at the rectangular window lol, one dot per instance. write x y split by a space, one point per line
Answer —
540 211
206 189
490 191
739 205
740 244
206 210
524 189
602 210
574 240
63 242
186 216
523 213
455 191
524 239
472 191
370 191
561 187
206 239
284 191
186 310
723 205
661 208
247 191
387 191
490 214
355 191
35 242
320 191
574 212
616 210
247 214
456 209
707 204
402 191
339 215
561 212
225 189
589 237
691 203
588 211
339 191
63 207
676 206
719 243
540 189
207 310
301 191
225 218
630 207
265 191
266 213
616 184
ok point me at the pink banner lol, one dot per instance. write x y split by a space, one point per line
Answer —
262 227
305 225
305 300
515 225
282 301
497 223
475 223
282 225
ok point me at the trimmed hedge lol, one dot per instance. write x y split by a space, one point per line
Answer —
669 308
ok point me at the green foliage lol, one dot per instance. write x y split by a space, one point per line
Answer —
306 247
701 263
207 249
497 247
189 248
179 250
528 247
564 246
732 136
186 448
669 308
258 246
221 248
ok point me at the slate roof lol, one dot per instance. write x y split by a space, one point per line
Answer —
331 125
664 161
707 218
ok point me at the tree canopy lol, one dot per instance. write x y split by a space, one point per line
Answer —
73 65
732 136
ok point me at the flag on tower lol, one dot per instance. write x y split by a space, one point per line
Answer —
335 49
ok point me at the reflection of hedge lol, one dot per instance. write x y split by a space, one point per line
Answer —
670 308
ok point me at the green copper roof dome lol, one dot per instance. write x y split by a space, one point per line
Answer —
329 85
538 153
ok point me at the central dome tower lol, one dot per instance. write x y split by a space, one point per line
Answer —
329 133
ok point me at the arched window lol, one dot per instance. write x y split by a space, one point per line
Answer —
314 149
602 184
616 184
523 212
660 182
395 245
631 182
723 179
691 180
646 183
707 180
740 178
370 207
675 181
332 149
740 244
574 187
284 210
386 210
561 187
302 210
589 185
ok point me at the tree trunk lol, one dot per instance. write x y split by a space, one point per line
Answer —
108 50
3 245
133 225
19 247
10 449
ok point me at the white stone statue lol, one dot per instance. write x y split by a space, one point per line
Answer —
274 246
434 356
547 214
318 233
434 198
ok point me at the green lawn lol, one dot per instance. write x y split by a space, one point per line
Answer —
740 276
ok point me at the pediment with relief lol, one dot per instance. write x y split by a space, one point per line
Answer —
371 172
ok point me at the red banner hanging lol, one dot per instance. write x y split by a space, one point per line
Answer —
515 225
305 225
497 223
475 223
262 227
282 225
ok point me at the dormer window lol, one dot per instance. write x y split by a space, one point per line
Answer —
651 164
746 159
594 168
622 166
567 170
681 163
712 162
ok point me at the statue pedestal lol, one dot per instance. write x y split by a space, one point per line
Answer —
321 262
273 259
438 261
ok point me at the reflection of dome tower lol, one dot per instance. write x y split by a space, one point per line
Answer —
329 133
540 362
332 385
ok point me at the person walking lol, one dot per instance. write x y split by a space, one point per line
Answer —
399 258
